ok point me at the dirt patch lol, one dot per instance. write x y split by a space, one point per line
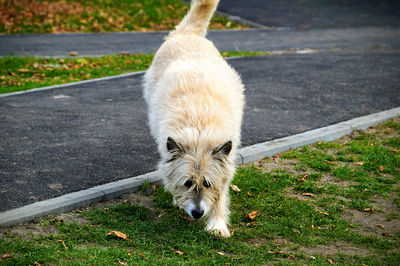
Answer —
375 222
27 231
341 247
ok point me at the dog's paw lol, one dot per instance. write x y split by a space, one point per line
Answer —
218 228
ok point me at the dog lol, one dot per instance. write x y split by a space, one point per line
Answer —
195 103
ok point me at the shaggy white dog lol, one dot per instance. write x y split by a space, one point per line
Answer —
195 101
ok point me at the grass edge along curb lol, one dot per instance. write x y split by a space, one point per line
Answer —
245 155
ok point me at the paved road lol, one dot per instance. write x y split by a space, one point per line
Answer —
311 14
59 141
60 45
63 140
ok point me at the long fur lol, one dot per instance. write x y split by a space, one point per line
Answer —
195 103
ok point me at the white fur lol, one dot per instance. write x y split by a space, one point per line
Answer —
197 99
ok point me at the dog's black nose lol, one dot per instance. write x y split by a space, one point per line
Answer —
197 213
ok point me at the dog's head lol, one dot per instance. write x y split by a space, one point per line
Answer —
197 175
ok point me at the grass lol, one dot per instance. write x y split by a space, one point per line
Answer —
24 73
37 16
337 224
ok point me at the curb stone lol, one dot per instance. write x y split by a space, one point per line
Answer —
245 155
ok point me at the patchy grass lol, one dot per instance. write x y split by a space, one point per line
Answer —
37 16
347 217
24 73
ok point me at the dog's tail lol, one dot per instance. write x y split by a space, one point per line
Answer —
197 20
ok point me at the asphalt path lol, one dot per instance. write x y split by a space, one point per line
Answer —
97 44
311 14
64 140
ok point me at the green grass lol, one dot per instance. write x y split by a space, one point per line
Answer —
37 16
24 73
286 230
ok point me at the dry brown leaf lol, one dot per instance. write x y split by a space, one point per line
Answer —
291 257
301 180
381 226
178 252
394 150
235 188
250 195
36 264
118 234
381 168
386 233
308 195
23 70
257 245
141 255
389 130
221 253
187 219
330 261
325 213
276 252
368 209
358 163
122 262
73 53
62 242
6 256
333 163
352 170
252 215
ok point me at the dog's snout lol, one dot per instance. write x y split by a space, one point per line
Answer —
196 213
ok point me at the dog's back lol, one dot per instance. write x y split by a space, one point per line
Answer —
189 64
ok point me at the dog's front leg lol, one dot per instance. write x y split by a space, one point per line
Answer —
218 220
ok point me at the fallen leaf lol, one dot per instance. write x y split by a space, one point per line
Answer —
358 163
308 195
122 262
301 180
141 255
312 227
381 168
381 226
178 252
73 54
187 219
291 257
36 264
252 215
276 156
235 188
23 70
389 130
6 256
330 261
257 245
118 234
250 195
386 233
276 252
325 213
62 242
221 253
368 209
394 150
352 170
333 163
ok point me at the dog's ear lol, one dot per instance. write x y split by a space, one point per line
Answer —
172 145
174 148
224 149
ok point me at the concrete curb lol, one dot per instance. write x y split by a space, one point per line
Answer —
245 155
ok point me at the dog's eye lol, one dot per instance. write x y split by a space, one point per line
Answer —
188 183
206 183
